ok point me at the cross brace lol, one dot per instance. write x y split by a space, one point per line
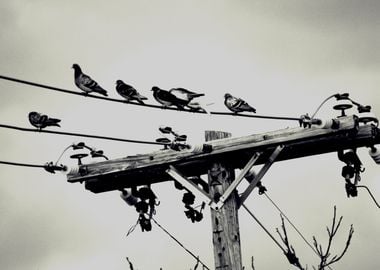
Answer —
261 173
188 184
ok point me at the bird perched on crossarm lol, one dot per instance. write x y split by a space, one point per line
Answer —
85 82
41 121
236 105
129 92
167 99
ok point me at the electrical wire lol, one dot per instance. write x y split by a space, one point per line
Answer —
138 104
93 96
179 243
22 164
294 227
258 116
80 135
291 223
320 106
263 227
370 194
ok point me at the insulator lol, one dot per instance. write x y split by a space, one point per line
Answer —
343 104
375 154
188 198
366 117
330 123
348 171
128 197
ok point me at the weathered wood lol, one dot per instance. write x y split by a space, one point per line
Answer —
225 222
151 168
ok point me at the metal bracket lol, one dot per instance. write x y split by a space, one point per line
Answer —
261 173
231 188
188 184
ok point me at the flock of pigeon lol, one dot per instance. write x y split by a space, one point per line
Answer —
177 97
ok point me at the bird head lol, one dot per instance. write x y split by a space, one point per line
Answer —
118 82
76 67
155 88
227 95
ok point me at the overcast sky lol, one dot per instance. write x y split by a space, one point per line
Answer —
283 57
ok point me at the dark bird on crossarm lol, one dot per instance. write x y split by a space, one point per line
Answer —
236 105
41 121
129 92
85 82
167 99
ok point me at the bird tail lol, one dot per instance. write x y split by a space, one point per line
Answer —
53 122
197 95
252 110
142 97
101 91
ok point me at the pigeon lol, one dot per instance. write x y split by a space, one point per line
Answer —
41 121
237 104
86 83
167 99
129 92
184 94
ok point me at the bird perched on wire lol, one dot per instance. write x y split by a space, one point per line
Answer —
236 105
129 92
167 99
85 82
187 96
41 121
184 94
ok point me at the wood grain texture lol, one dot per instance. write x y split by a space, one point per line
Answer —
151 168
225 221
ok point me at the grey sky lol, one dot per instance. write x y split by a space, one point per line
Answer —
283 57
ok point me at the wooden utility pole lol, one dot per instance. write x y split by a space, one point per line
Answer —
225 221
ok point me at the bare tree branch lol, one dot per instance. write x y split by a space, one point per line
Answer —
290 253
325 256
130 264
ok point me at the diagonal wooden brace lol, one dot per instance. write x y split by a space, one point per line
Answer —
261 173
231 188
188 184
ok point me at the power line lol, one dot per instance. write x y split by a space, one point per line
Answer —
92 96
263 227
138 104
80 135
291 223
294 227
21 164
258 116
179 243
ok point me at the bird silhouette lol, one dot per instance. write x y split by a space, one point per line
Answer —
41 121
236 105
129 92
85 82
167 99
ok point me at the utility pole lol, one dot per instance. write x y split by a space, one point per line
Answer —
225 221
218 157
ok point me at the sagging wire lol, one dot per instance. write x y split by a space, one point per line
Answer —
80 135
180 244
370 194
139 104
48 166
93 96
263 227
